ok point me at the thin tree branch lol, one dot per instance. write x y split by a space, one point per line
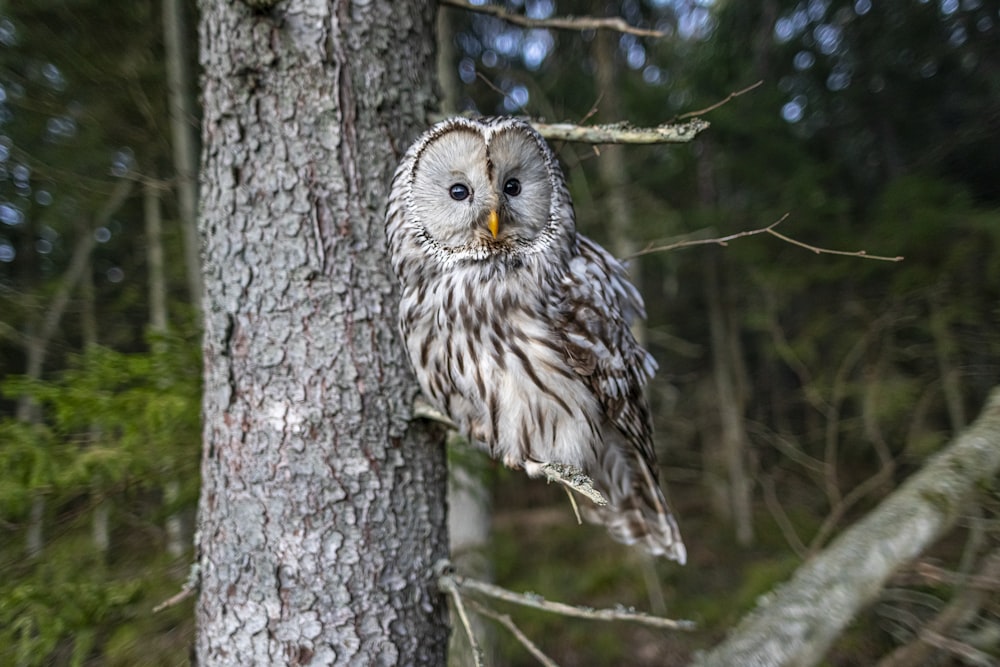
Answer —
986 582
448 585
781 518
506 621
724 240
448 579
191 586
726 100
827 251
38 344
968 654
622 133
557 22
967 601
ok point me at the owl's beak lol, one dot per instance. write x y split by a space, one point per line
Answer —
493 223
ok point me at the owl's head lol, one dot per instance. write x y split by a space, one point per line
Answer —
486 187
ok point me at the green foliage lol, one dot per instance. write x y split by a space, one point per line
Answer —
121 428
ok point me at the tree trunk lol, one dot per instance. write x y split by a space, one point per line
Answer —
730 393
322 510
158 324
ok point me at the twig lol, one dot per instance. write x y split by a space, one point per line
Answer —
622 133
506 621
492 86
448 585
176 599
557 22
447 579
968 654
826 251
724 240
190 588
981 582
593 109
728 98
781 518
576 508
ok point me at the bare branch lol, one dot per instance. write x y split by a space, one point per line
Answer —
622 133
972 594
506 621
781 517
968 654
826 251
612 133
448 585
191 586
724 240
986 582
726 100
557 22
449 579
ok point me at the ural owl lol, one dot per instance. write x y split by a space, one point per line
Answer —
517 326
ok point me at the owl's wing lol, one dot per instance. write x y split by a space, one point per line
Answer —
598 306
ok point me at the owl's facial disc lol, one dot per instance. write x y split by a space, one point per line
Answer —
480 193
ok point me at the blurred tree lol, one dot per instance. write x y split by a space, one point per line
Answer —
89 435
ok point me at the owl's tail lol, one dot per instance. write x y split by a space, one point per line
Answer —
637 512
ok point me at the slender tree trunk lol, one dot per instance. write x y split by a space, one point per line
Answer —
183 139
728 375
154 259
730 394
322 511
158 324
100 524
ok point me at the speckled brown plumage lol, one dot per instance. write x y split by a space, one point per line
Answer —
517 326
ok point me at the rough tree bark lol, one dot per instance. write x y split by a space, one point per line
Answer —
797 623
322 510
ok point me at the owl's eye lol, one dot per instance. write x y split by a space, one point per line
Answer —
459 192
512 187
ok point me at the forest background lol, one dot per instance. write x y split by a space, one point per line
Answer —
796 390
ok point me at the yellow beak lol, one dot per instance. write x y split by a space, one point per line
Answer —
493 223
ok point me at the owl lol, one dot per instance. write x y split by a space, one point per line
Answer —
518 327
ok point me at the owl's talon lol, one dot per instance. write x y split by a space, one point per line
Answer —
424 410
